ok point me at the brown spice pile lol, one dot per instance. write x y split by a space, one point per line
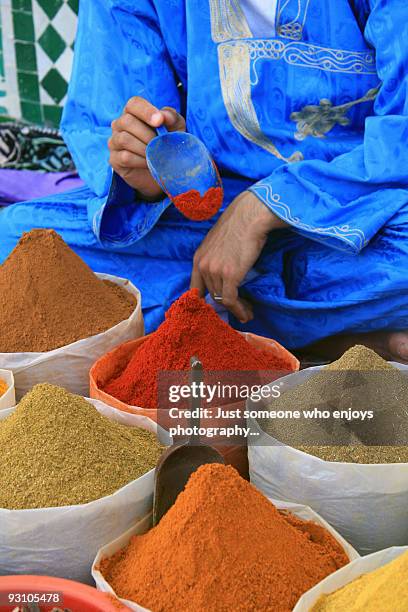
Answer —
49 297
223 546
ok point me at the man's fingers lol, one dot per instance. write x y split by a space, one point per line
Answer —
146 113
143 110
216 282
123 141
220 281
173 121
197 281
126 160
130 124
239 308
208 281
212 277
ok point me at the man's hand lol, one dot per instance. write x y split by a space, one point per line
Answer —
134 129
231 248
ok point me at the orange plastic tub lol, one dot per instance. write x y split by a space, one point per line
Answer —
113 363
74 596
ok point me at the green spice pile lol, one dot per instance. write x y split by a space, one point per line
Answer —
58 450
359 381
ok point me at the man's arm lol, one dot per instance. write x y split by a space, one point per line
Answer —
343 203
119 53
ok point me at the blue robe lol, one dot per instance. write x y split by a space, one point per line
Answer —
308 110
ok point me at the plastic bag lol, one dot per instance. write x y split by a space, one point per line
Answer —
347 574
114 362
367 504
69 365
63 541
144 525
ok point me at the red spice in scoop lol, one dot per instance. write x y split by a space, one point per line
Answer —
198 208
192 327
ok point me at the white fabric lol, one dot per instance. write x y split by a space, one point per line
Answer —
260 15
69 365
64 541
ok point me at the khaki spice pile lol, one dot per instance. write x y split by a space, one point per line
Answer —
58 450
49 297
359 381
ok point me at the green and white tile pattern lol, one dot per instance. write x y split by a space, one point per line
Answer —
36 52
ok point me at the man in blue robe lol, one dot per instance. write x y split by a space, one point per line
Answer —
303 104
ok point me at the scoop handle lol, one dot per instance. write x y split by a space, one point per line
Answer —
196 376
161 131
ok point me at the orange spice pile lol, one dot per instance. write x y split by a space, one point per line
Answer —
223 546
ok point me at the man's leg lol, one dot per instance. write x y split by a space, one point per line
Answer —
309 296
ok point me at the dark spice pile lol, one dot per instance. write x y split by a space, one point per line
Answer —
57 450
223 546
359 381
49 297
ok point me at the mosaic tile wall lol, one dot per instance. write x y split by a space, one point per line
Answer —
36 52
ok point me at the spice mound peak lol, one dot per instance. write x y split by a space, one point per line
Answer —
200 208
360 358
223 546
50 297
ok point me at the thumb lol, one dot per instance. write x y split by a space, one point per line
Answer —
173 121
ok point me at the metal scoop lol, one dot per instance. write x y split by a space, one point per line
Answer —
177 463
179 161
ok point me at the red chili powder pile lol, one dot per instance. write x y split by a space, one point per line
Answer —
198 208
192 327
49 297
223 546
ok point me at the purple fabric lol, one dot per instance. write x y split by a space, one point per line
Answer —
20 185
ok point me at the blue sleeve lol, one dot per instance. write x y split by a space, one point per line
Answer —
119 53
346 201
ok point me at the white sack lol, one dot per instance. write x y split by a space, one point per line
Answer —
144 525
64 541
69 365
347 574
367 504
